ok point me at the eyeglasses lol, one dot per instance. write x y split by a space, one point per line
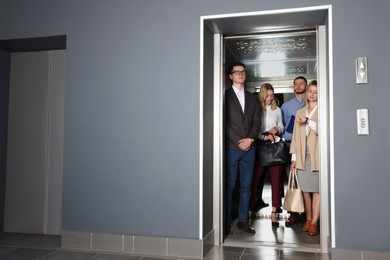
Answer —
236 72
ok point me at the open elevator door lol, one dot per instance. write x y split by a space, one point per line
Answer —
281 72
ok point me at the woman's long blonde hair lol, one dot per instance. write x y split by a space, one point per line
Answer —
263 95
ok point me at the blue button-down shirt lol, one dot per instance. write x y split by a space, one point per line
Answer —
289 109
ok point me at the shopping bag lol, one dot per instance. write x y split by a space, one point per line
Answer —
293 200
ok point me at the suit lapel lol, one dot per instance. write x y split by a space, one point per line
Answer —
236 102
247 102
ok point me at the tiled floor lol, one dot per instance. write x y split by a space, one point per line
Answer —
266 235
34 247
268 243
260 253
281 237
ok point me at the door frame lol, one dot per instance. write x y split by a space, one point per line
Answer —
48 170
325 77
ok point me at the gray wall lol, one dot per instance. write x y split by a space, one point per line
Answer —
361 162
5 59
132 109
208 119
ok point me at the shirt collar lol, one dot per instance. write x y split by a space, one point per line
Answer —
237 90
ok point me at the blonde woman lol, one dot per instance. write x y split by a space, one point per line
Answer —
271 126
304 158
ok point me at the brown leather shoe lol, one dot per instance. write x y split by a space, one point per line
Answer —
306 227
294 218
313 230
244 225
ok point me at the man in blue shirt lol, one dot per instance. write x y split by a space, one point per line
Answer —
289 110
290 107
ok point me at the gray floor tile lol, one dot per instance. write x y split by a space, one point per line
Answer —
213 255
228 249
6 249
262 251
160 258
69 255
259 257
323 256
49 242
23 240
116 257
25 254
297 255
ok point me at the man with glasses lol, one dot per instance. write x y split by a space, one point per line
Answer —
242 122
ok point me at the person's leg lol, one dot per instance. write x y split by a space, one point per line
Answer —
275 172
316 207
308 209
256 183
313 230
276 179
259 195
231 159
307 203
246 170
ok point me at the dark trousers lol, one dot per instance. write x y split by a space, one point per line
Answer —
241 162
275 172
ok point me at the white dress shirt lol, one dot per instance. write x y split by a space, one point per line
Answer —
240 93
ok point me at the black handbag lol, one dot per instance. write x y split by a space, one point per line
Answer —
272 153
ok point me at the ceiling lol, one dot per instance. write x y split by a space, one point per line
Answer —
34 44
247 23
274 56
275 47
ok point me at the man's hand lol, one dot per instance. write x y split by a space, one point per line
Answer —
245 144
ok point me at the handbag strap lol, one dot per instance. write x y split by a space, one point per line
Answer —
293 179
265 135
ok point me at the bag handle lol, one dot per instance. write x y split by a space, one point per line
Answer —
293 180
268 133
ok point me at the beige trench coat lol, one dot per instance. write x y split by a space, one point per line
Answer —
298 142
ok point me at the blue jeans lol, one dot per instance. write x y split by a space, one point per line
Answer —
242 162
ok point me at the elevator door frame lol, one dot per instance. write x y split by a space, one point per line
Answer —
325 108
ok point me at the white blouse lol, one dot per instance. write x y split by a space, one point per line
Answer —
271 119
311 124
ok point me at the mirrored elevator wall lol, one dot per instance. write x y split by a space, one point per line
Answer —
275 58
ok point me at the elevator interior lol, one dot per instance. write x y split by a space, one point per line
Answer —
276 58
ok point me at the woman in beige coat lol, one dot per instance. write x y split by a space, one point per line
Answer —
304 150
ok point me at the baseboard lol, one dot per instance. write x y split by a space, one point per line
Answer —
138 245
344 254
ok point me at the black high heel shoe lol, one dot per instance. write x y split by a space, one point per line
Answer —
279 210
275 224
